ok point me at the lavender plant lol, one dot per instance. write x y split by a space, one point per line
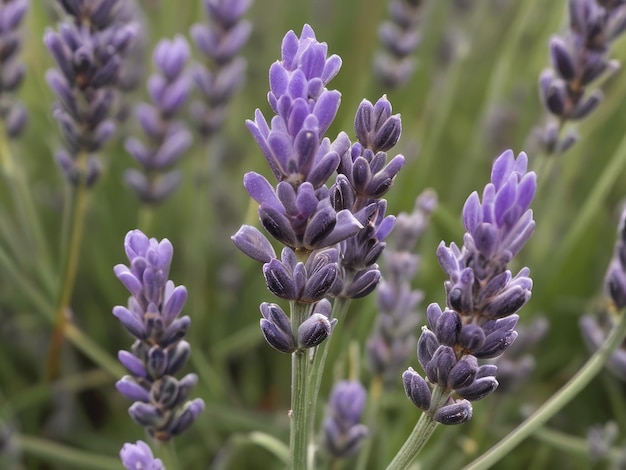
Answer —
343 431
220 42
12 111
332 236
161 402
323 205
400 36
168 137
482 298
88 49
579 59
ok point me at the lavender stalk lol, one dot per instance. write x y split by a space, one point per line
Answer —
88 49
159 352
482 298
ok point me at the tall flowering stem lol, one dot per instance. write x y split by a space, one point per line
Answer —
222 73
167 138
579 59
88 50
333 236
159 352
482 298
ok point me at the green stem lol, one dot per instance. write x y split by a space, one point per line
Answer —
298 440
70 266
567 393
421 433
65 455
316 371
301 408
167 453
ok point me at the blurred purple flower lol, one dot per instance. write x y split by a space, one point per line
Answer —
139 457
400 36
159 352
394 336
220 41
343 431
167 138
88 50
578 59
12 111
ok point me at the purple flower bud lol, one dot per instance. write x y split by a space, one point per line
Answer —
134 365
479 389
146 415
254 244
139 456
128 387
439 367
314 330
458 412
426 347
448 327
416 389
463 372
562 60
187 416
276 328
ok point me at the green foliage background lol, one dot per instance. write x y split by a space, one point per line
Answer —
458 115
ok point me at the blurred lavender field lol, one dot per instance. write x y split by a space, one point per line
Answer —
136 120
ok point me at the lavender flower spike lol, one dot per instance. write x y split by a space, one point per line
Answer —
168 138
343 431
220 42
12 111
139 457
400 37
482 295
578 59
159 351
88 50
298 211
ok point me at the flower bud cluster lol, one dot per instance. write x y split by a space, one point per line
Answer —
88 49
579 59
482 297
365 175
332 236
159 352
12 112
167 137
400 37
220 42
343 431
393 338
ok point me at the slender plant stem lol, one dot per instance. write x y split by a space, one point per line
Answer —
421 433
70 266
68 456
167 453
556 403
316 371
300 405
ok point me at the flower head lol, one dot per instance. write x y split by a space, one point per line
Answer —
139 457
159 351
